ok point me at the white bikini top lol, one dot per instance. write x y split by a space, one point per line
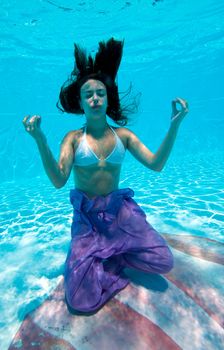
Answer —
84 155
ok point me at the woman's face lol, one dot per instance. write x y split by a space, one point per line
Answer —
93 97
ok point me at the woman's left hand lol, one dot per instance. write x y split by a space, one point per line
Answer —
178 115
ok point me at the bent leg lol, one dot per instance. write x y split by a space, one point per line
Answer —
155 260
146 250
88 287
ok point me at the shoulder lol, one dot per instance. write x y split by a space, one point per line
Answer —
126 134
72 136
123 130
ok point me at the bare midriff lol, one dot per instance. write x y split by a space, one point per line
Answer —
97 180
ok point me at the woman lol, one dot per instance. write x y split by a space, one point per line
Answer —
109 229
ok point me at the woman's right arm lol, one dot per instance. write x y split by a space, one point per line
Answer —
58 172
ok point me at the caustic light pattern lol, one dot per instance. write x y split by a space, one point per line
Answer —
182 309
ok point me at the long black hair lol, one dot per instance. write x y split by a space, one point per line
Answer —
103 68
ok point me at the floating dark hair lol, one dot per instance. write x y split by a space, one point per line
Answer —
103 68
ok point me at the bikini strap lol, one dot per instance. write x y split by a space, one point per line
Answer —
84 133
113 131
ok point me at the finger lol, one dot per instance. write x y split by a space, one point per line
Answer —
33 119
176 110
179 100
182 102
37 120
25 119
174 106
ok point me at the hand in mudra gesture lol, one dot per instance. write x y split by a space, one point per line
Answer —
32 126
178 115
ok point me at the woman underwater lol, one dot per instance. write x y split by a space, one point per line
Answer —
109 230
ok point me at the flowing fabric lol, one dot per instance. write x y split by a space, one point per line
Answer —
108 234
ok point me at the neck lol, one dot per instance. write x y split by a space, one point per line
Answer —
97 128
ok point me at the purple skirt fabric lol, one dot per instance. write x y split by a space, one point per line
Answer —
109 233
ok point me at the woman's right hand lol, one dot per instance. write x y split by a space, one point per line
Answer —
32 126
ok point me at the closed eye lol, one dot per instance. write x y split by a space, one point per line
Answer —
100 92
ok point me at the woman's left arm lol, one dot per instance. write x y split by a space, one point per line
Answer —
161 156
156 161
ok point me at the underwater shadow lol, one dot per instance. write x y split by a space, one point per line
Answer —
150 281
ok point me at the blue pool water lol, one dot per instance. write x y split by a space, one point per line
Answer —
172 48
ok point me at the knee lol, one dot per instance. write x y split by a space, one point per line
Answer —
76 308
168 262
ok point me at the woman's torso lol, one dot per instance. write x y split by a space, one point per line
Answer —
102 175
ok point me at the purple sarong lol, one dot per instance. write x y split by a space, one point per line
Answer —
109 233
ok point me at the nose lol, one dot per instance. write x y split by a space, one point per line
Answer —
95 97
